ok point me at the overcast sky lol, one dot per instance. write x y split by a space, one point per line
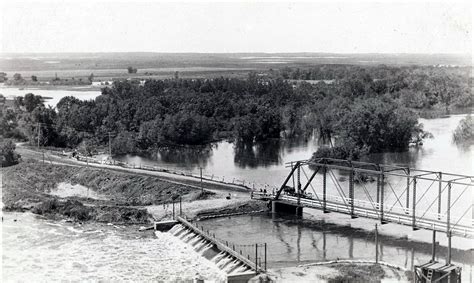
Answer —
85 26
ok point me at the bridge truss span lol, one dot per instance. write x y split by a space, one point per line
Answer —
422 199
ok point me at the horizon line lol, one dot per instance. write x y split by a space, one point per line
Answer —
245 52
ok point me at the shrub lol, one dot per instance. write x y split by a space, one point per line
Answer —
8 154
464 133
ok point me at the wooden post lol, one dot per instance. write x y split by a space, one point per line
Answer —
448 261
413 211
200 170
180 206
440 189
376 244
173 209
448 212
448 224
351 191
256 258
408 190
377 205
110 148
265 255
39 134
382 194
324 189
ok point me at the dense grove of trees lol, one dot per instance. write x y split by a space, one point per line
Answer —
363 110
416 87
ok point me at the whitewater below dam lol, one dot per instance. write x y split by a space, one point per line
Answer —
35 249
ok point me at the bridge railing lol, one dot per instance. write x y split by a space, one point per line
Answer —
426 199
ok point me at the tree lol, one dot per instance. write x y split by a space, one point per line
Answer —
132 70
3 77
8 154
34 78
464 132
377 124
91 77
17 77
31 101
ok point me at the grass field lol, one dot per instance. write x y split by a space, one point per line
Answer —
106 66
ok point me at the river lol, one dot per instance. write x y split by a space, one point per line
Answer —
39 250
52 95
264 163
42 250
293 241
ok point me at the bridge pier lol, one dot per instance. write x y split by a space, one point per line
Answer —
283 207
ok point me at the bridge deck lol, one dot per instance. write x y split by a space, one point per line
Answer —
369 210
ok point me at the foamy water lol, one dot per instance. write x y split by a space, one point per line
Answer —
42 250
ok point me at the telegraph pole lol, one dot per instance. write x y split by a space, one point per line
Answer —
202 189
39 133
110 148
39 137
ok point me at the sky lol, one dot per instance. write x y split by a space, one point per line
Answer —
335 27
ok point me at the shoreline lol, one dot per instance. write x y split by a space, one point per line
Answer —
242 195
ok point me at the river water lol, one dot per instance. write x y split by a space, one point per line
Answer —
265 163
39 250
45 250
52 95
293 241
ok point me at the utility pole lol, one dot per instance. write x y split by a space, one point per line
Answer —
110 148
39 133
39 137
200 170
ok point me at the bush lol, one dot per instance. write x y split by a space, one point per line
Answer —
379 125
464 132
46 207
71 208
9 156
340 152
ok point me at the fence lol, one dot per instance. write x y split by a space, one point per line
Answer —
249 253
226 180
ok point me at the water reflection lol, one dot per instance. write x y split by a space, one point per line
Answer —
258 155
263 162
188 158
268 153
298 241
191 157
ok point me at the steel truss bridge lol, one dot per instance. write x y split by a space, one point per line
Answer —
437 201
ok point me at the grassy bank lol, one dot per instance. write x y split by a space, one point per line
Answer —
31 186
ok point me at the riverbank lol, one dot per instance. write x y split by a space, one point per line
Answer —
88 194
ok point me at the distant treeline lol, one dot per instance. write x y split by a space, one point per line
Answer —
18 80
362 110
415 86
